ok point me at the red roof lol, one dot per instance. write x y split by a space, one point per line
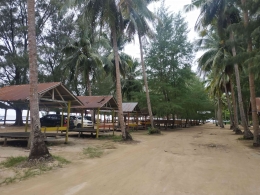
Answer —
94 102
52 94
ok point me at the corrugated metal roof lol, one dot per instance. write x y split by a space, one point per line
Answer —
95 102
48 93
130 107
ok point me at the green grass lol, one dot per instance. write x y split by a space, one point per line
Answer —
13 161
153 131
115 138
93 152
29 170
61 159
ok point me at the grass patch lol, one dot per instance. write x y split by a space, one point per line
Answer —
92 152
153 131
244 138
108 146
23 169
115 138
14 161
61 159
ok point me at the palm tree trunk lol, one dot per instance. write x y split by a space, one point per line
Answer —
229 107
247 132
38 148
234 101
125 133
88 84
19 117
251 82
216 115
145 83
219 113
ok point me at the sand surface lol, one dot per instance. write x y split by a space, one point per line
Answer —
200 160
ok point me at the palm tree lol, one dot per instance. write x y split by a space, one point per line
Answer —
83 59
125 61
214 58
251 77
38 148
137 13
224 13
109 12
131 83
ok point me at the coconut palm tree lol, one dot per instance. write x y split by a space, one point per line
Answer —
222 13
108 12
213 59
251 75
131 83
83 60
38 148
138 13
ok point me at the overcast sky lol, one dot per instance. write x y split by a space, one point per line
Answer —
174 6
133 49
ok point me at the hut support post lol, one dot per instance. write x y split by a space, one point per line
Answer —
98 122
113 121
128 116
104 120
82 121
27 118
145 122
68 123
5 116
62 118
137 121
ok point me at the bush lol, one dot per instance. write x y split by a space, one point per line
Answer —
153 131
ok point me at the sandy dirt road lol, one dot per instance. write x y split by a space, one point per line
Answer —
201 160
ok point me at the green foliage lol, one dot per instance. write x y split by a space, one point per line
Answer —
153 131
115 138
13 161
92 152
23 169
174 88
60 159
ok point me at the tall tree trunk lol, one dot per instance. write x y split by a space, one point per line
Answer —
125 133
247 132
234 101
251 81
229 107
38 148
219 113
19 117
216 116
146 83
88 84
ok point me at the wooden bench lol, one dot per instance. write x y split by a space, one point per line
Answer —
57 129
133 126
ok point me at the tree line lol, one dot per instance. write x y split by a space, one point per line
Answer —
229 39
80 43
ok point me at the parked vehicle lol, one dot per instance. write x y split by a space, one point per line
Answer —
86 122
54 120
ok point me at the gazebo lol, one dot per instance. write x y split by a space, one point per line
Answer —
96 103
131 108
51 95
